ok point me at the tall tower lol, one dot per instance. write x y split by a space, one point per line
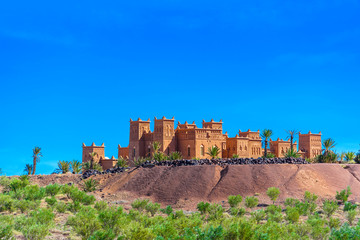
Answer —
136 143
100 150
310 143
164 133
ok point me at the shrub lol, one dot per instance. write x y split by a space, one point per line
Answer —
43 216
33 192
35 231
291 202
350 216
139 161
22 205
273 193
6 203
310 197
139 204
349 206
17 184
152 208
121 163
275 217
96 166
168 210
101 205
292 215
345 232
51 201
343 195
329 207
81 197
90 185
237 211
175 156
52 189
61 207
85 222
234 200
74 207
258 215
251 202
272 209
319 228
103 235
5 182
334 223
235 156
110 219
6 229
215 211
203 207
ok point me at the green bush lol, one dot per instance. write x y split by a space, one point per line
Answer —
203 207
251 202
81 197
168 210
334 223
329 207
17 184
291 202
349 206
110 219
258 215
85 222
6 203
103 235
74 207
33 192
51 201
272 209
343 195
139 204
35 231
61 207
234 200
22 205
237 211
215 212
6 229
273 193
310 197
5 182
275 217
52 189
90 185
350 216
292 215
101 205
345 232
152 208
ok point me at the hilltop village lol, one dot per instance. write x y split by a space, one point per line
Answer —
193 142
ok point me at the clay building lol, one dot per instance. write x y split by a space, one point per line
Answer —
194 142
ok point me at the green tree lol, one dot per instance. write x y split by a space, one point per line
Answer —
328 145
156 147
121 163
273 193
234 200
266 134
349 156
36 158
28 169
213 151
291 136
251 202
63 167
343 195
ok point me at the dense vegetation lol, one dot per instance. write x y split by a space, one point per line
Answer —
65 208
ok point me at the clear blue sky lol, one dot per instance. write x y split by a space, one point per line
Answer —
77 71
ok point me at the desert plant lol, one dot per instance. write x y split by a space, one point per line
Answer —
235 156
96 166
266 134
273 193
92 156
237 211
310 197
6 203
28 169
60 207
121 163
90 185
272 209
152 208
139 204
51 201
343 195
349 206
175 156
100 205
52 189
75 166
292 215
334 223
63 167
350 216
85 222
291 202
251 202
292 153
234 200
329 207
156 146
203 207
168 210
36 158
159 156
139 161
328 144
258 215
213 151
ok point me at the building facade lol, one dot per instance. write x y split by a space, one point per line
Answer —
194 142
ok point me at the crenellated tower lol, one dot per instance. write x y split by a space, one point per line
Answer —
164 133
136 142
311 144
99 150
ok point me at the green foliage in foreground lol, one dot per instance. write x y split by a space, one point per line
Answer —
21 215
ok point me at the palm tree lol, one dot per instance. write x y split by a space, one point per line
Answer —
92 158
36 158
156 147
28 169
213 151
291 135
76 166
328 144
266 134
342 156
349 156
63 167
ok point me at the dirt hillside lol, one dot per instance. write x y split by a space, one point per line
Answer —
186 185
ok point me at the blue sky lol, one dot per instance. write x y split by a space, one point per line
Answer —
74 72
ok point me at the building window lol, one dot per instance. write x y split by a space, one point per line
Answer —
202 150
188 151
168 150
134 152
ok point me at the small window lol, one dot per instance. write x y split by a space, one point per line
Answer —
134 152
168 150
202 150
188 151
